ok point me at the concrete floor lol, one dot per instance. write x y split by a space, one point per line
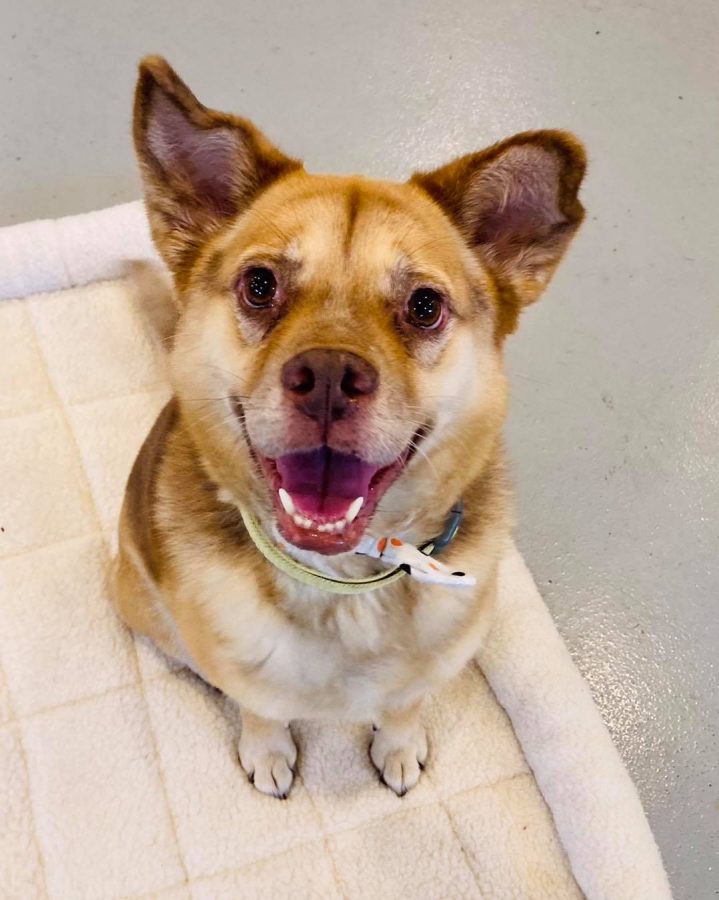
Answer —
615 423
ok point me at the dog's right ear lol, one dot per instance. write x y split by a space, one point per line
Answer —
200 168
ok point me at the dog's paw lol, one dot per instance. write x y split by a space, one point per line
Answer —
268 756
399 760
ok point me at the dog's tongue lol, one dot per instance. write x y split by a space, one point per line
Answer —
323 482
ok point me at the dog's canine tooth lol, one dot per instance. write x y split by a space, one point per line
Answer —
354 508
286 501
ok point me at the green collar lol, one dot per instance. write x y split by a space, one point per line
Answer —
312 577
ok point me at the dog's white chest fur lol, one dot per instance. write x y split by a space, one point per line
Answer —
318 655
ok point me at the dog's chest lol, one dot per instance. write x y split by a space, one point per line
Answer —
343 657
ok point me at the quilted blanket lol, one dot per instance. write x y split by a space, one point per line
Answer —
118 771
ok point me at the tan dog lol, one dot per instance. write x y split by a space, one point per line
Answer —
337 369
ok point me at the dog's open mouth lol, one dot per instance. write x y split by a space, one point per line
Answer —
324 499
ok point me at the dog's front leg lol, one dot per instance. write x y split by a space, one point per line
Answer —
267 754
399 748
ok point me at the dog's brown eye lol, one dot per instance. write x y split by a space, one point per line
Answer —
425 308
258 287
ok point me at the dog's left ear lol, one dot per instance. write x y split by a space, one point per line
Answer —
517 204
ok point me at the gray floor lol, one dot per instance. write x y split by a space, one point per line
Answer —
615 422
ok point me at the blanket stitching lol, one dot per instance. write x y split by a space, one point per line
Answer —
17 722
369 823
161 769
78 701
27 321
36 548
106 555
462 848
152 388
325 839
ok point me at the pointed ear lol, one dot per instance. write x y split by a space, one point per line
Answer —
200 168
515 203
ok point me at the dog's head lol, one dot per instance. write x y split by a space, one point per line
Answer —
338 356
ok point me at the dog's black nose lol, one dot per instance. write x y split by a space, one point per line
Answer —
327 385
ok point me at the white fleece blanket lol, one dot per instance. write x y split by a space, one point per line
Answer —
119 775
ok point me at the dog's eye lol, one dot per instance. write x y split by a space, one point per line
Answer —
257 287
425 308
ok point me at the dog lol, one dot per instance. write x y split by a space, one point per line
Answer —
337 378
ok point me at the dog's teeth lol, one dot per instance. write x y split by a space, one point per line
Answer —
353 511
286 501
325 527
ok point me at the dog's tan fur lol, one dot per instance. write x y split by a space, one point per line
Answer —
349 250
